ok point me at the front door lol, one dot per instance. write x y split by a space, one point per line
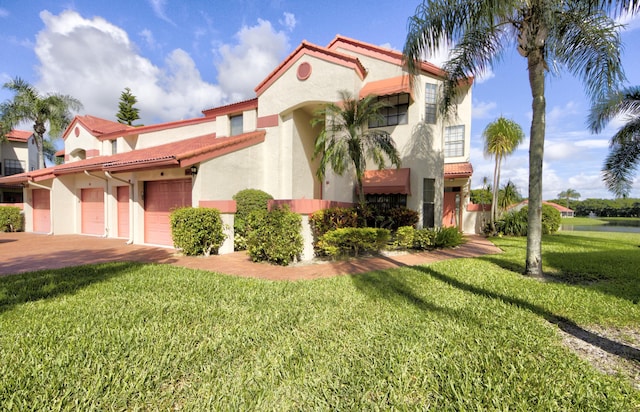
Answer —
451 207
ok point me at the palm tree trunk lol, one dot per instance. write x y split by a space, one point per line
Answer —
494 197
536 153
38 134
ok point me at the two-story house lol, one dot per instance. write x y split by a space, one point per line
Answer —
123 181
18 154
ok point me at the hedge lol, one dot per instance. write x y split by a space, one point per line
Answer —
353 241
247 201
197 230
11 219
274 236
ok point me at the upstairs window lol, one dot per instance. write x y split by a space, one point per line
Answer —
13 167
396 112
430 103
114 147
236 125
454 141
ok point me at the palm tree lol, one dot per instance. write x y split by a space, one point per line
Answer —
578 36
624 154
568 194
501 138
29 105
508 195
346 140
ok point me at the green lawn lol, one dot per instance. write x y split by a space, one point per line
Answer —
468 334
582 221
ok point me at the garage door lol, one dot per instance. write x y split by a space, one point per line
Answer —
41 211
160 198
123 211
92 206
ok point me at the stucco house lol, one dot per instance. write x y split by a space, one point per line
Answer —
18 154
123 181
564 211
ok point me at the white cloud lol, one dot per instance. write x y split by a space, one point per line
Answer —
243 66
70 63
485 75
483 110
158 7
593 143
630 21
289 21
4 12
149 39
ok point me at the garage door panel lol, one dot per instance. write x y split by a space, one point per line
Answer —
160 199
41 210
92 211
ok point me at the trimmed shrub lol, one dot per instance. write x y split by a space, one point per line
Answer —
424 239
392 219
333 218
197 230
247 201
11 219
353 241
274 236
403 237
516 223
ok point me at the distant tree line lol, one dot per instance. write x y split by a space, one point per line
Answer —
604 207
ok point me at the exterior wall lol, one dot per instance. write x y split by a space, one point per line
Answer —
157 138
84 141
15 151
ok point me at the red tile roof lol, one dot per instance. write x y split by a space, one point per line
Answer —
453 170
96 126
232 108
525 202
19 135
182 153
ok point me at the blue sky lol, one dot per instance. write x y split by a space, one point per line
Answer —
181 57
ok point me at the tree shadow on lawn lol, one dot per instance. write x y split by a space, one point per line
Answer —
567 325
48 284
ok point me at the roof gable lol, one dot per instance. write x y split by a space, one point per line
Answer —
309 49
21 136
96 126
380 53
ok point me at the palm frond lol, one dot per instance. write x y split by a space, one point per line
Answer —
625 102
620 166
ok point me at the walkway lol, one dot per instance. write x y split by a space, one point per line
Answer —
26 252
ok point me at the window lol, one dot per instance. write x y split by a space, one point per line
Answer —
430 103
114 146
386 201
428 202
13 167
454 141
396 112
236 124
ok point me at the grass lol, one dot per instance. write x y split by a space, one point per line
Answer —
582 221
467 334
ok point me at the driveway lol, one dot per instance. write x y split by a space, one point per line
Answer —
26 252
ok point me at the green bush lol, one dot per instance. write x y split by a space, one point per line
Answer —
392 219
197 230
274 236
516 223
403 237
247 201
11 219
446 237
424 239
353 241
333 218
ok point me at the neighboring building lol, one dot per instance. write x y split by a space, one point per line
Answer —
123 181
564 212
18 154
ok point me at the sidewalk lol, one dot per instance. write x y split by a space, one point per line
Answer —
26 252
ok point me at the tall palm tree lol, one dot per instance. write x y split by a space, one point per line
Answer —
501 138
578 36
508 195
568 194
624 154
29 105
346 139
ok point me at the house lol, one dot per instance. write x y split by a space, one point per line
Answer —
564 211
18 154
123 181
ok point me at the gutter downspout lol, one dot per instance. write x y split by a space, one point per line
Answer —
110 176
106 212
39 186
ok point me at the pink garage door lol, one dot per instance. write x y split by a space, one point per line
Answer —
41 210
160 198
92 207
123 211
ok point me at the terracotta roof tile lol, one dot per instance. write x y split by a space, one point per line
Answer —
452 170
19 135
